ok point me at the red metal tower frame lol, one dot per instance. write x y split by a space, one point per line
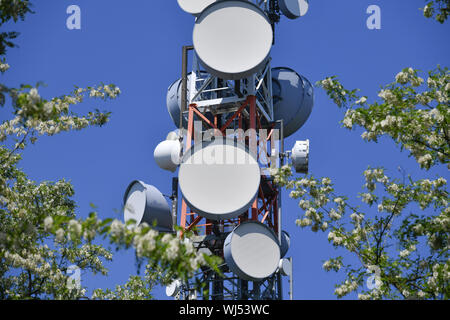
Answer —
265 207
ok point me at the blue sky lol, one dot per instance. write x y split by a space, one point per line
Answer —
137 46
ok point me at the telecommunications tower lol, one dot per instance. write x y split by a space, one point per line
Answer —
233 111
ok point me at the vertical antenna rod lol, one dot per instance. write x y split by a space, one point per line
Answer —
184 75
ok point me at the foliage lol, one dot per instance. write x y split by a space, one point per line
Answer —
41 237
413 113
402 230
11 10
437 9
401 237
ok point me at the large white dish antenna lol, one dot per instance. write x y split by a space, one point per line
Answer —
252 251
167 155
294 9
293 98
219 179
145 203
194 7
232 39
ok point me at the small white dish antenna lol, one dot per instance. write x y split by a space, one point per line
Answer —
219 179
252 251
285 267
194 7
173 289
167 155
232 39
300 156
145 203
173 135
294 9
192 294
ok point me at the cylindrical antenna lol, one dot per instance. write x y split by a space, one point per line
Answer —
174 201
184 65
291 284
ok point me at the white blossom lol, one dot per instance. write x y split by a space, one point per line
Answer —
3 66
421 294
117 228
348 123
387 95
402 77
362 100
48 223
431 83
425 160
59 237
172 250
305 222
334 214
75 228
367 197
416 81
346 288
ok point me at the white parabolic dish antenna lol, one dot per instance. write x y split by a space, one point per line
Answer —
145 203
252 251
173 288
167 155
232 39
285 267
293 99
219 179
294 9
173 99
194 7
285 243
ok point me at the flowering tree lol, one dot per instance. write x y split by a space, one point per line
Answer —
41 237
396 213
438 9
